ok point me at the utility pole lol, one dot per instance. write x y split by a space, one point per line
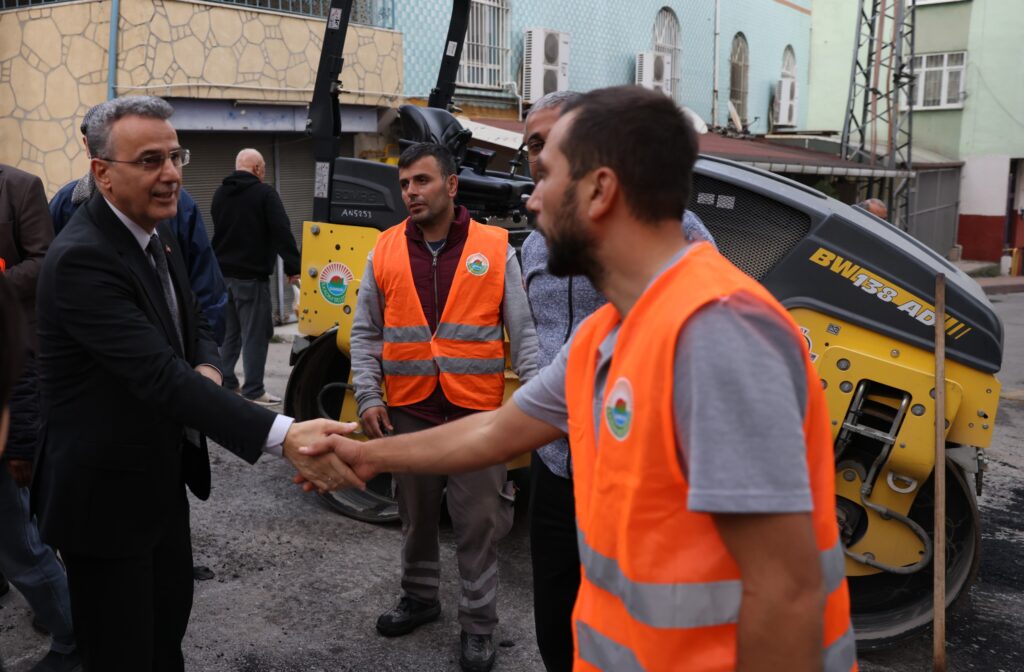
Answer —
878 127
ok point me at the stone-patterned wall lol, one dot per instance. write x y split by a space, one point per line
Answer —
53 67
202 50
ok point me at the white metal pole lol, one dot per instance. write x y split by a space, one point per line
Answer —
714 70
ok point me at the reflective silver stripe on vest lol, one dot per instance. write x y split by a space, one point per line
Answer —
604 653
408 367
841 655
470 365
833 567
664 605
407 334
685 605
469 332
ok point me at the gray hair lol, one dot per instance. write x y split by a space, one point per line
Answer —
554 100
105 114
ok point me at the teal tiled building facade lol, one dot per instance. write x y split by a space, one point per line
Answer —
606 36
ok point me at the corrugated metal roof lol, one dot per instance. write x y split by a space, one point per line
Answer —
754 152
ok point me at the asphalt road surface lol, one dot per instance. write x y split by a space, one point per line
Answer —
298 587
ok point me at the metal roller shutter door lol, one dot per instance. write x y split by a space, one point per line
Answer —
289 169
213 159
295 184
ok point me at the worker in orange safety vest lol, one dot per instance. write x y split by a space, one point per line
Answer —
704 506
437 294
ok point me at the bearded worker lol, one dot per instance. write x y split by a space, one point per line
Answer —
704 507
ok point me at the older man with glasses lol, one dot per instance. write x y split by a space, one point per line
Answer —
127 363
188 227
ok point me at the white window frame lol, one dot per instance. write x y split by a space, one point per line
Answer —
485 55
920 69
739 86
665 39
935 2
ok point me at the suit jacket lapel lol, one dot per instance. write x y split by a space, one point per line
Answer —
135 259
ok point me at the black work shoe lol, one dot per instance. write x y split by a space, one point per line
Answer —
477 653
59 662
408 615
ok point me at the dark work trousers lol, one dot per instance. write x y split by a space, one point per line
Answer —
480 518
130 613
248 327
556 564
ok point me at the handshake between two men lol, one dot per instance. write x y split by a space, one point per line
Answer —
332 461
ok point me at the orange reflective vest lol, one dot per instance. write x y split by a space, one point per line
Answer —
467 352
660 591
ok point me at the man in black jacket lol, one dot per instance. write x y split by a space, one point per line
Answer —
250 229
25 234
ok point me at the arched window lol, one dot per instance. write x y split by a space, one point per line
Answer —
739 73
666 41
789 62
785 91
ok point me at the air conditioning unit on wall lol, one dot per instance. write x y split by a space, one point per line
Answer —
545 63
654 71
786 100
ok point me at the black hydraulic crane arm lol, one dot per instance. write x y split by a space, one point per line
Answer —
441 94
324 122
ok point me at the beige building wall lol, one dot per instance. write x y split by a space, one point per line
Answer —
53 67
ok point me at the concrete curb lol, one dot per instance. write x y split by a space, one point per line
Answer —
1002 284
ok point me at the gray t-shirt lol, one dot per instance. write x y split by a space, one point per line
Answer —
739 395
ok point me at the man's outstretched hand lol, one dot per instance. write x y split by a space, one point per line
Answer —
320 470
352 453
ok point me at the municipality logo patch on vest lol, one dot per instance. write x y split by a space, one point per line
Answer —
477 264
618 409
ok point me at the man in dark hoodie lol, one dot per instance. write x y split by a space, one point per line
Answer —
250 229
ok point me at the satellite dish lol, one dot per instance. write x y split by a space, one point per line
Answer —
698 123
734 116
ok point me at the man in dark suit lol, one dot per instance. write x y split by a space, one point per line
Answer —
127 363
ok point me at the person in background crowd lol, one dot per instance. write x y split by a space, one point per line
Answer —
203 273
28 563
12 345
250 229
875 207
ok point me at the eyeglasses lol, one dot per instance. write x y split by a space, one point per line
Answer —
149 162
532 149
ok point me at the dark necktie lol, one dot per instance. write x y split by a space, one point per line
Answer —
156 251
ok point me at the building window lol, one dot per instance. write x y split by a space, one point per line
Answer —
666 41
785 91
939 81
486 52
789 63
738 76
